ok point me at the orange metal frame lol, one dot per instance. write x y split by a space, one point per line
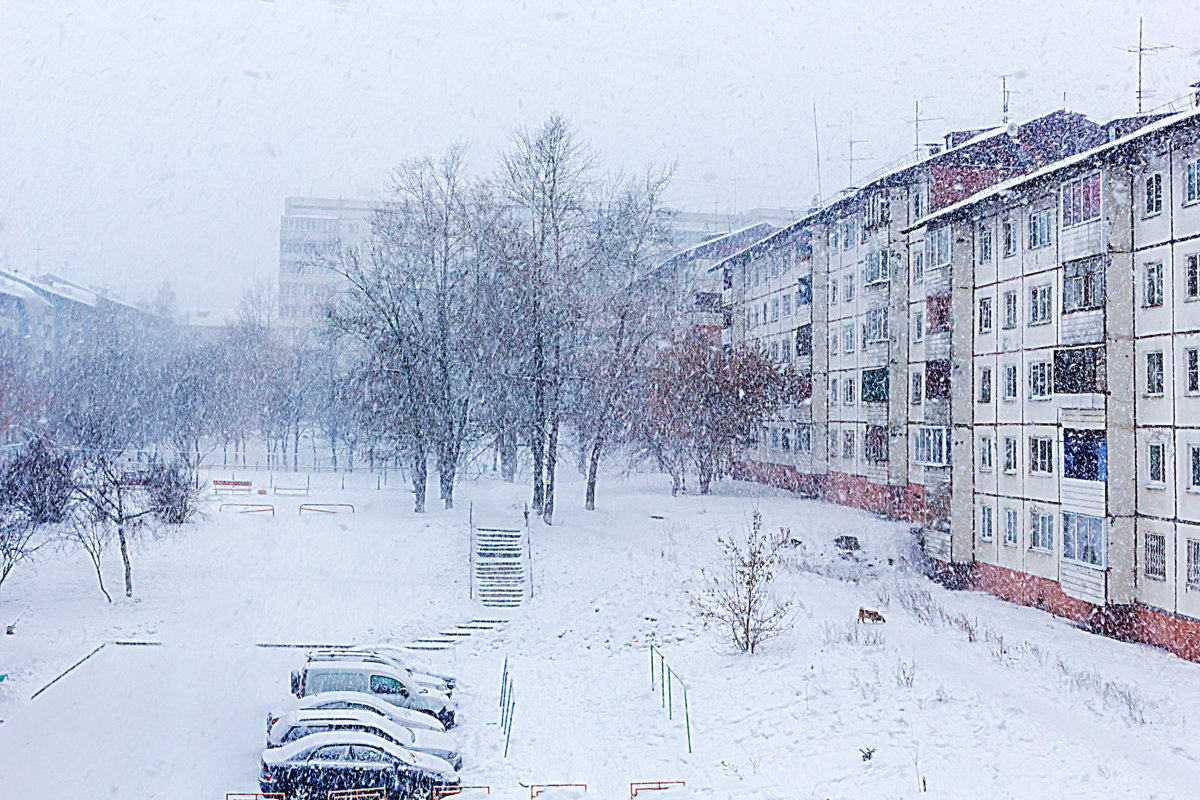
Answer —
250 508
651 786
325 508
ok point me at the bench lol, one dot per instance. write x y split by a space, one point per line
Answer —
231 487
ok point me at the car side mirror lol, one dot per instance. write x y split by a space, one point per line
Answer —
296 682
403 692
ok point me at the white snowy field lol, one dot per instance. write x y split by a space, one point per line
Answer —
962 693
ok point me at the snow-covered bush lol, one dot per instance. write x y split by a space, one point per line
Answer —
736 597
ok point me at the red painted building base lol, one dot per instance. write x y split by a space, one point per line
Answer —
895 502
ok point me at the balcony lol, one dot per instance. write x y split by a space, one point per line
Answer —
1082 327
937 346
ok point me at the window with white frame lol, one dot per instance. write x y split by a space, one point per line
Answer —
1157 463
775 351
1040 305
875 385
1191 191
932 446
918 266
918 334
833 343
848 338
937 246
1152 285
918 385
1009 229
985 523
833 291
1040 380
1191 273
804 438
1083 538
1153 194
833 239
985 454
1156 556
1041 530
1010 309
1010 382
1194 458
1191 368
985 385
876 270
785 439
774 438
985 243
1010 454
833 391
1154 373
1193 562
1081 200
1083 284
787 305
847 444
1041 455
1011 527
848 234
1039 228
775 309
985 314
848 287
875 329
786 346
875 444
848 392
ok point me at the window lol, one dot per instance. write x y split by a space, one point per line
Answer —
1010 454
1194 452
918 382
875 385
785 345
848 287
804 438
1191 192
774 438
876 270
833 343
1083 538
833 392
1157 452
1080 371
1011 527
937 246
1154 194
1192 277
1039 380
1154 373
985 454
775 310
985 314
918 327
1040 306
875 329
1156 556
1191 367
1010 239
1010 382
1010 309
1083 284
833 240
1041 455
848 392
985 244
848 338
848 444
918 266
985 523
804 341
918 204
937 379
775 351
1081 200
1193 554
804 291
1041 530
985 385
848 234
1152 287
875 445
785 439
749 319
1085 455
381 684
937 314
932 447
833 292
1039 229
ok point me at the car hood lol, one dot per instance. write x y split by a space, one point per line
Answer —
430 763
431 741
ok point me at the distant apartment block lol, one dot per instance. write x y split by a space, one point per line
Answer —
307 224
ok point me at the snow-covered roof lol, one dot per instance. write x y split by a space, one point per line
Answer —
66 291
14 287
715 240
763 242
1049 169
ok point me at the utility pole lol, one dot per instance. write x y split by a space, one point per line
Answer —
1141 50
850 159
817 142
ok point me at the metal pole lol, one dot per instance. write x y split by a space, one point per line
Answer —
652 666
508 735
687 720
662 682
670 702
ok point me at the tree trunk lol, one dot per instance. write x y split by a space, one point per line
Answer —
536 449
508 457
333 449
551 458
592 468
125 559
296 448
420 476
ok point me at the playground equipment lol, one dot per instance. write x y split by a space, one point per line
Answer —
651 786
293 490
231 487
357 794
537 788
248 508
326 508
666 678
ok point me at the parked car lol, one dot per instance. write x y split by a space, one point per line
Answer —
405 658
424 679
298 724
361 701
323 762
384 681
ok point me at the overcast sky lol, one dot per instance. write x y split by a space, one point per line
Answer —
151 141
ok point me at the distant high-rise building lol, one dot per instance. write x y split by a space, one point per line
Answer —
309 223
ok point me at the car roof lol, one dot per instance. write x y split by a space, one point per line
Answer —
306 744
351 665
351 717
386 709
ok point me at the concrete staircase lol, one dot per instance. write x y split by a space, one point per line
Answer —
500 566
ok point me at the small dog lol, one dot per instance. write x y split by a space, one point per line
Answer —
867 615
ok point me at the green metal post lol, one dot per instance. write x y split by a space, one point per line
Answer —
687 720
670 702
651 667
662 682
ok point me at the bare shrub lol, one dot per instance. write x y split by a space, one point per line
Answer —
905 673
736 598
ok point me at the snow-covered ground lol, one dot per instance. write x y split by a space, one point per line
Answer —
958 692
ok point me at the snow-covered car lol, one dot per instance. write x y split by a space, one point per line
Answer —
381 680
391 656
360 701
298 724
323 762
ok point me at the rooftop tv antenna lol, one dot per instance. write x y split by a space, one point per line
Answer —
1142 50
1005 96
850 159
917 120
817 141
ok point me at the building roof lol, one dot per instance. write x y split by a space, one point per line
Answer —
10 285
1056 166
718 246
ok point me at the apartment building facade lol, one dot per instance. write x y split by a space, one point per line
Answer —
1075 448
310 223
